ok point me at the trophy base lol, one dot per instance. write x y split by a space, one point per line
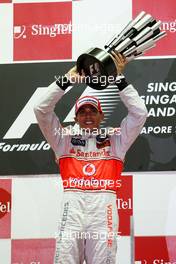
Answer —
99 68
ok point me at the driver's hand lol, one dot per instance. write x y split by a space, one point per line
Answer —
119 60
74 76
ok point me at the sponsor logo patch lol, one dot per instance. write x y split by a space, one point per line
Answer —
78 142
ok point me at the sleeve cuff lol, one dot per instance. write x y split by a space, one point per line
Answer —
121 82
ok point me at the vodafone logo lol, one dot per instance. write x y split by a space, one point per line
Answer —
5 202
89 169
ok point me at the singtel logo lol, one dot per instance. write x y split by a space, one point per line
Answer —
5 208
169 26
155 261
52 31
5 202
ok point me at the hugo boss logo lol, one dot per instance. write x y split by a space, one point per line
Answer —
78 142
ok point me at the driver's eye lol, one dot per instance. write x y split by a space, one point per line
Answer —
92 112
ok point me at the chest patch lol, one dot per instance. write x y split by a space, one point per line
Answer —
102 142
78 142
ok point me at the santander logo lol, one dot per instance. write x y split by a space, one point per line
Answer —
89 169
5 202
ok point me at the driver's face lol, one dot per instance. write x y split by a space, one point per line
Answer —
89 117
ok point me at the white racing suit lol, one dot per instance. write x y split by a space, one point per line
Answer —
90 170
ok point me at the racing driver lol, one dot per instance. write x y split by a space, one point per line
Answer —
89 220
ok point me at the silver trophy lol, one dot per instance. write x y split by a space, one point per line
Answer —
140 35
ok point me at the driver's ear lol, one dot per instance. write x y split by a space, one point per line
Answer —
102 116
76 119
